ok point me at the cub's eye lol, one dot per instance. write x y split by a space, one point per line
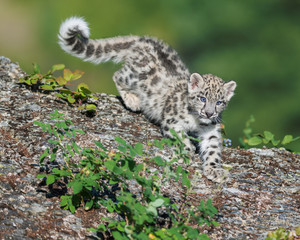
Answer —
219 102
202 99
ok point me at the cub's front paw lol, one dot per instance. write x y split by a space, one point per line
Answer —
218 174
132 101
189 146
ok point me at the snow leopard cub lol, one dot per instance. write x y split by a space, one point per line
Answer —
155 81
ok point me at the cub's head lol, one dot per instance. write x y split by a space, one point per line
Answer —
208 96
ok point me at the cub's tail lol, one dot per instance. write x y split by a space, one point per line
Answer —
74 39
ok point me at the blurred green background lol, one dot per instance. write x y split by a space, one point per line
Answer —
256 43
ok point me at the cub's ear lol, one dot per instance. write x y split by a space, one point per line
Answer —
229 88
196 82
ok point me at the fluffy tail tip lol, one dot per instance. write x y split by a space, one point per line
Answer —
74 25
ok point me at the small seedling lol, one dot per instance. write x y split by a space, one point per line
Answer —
48 82
266 138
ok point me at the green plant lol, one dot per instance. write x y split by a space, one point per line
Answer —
63 145
266 138
97 170
48 82
279 234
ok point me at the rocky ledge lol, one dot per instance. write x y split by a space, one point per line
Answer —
261 195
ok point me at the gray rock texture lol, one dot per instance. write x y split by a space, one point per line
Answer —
261 195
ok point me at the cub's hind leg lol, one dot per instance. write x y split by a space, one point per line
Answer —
125 84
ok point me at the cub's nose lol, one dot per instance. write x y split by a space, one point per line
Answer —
209 114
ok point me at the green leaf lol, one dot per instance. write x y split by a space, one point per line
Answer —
120 228
117 170
157 203
298 230
110 165
44 155
152 210
77 74
28 82
158 144
179 170
59 95
71 99
100 228
39 124
56 115
120 140
158 160
255 141
95 230
91 107
211 208
203 237
192 233
118 235
65 91
41 176
128 175
62 173
215 224
57 67
68 74
72 208
139 167
54 142
64 200
275 142
110 208
35 78
139 148
122 149
195 139
265 141
61 81
34 81
99 144
287 139
186 181
80 131
89 204
77 187
174 134
76 147
112 182
250 120
47 87
36 68
132 152
268 135
50 179
85 91
83 87
247 131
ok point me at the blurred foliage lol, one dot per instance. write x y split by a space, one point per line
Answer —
256 43
268 139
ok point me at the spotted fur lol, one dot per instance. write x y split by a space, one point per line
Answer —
154 80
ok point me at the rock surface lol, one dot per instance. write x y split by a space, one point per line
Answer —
261 195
